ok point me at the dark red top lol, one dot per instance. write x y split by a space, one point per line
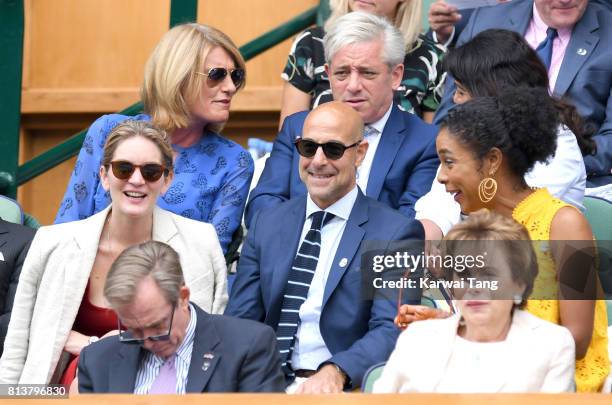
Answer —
91 320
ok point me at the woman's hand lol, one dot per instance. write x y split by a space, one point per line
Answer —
411 313
76 342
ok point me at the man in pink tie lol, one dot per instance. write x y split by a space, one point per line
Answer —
168 345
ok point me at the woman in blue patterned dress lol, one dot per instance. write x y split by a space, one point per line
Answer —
189 82
307 85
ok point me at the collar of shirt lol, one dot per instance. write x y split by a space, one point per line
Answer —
539 28
380 124
341 208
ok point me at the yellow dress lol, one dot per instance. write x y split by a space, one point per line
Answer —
536 213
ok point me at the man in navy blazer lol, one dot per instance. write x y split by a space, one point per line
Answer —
584 77
341 333
15 242
364 56
205 353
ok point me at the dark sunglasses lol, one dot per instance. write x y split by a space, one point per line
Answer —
333 150
151 172
217 74
127 337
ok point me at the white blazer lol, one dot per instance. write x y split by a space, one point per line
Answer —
541 358
55 274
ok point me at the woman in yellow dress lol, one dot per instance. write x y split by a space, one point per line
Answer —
485 147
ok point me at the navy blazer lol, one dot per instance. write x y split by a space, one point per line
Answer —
15 242
358 332
403 168
242 357
585 77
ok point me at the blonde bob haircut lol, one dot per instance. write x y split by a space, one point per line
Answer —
407 18
171 84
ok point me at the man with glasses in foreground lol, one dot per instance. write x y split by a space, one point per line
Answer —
168 345
328 332
364 55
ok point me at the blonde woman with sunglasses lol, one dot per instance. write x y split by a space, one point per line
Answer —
59 305
189 82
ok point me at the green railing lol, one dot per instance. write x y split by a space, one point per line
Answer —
11 51
11 48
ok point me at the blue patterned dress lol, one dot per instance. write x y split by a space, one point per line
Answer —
211 180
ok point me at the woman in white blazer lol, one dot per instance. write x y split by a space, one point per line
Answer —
67 264
491 345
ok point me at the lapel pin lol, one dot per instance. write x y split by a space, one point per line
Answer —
343 262
581 51
207 359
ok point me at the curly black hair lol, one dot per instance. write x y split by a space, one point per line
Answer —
495 59
522 122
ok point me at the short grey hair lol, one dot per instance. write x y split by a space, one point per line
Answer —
150 259
357 27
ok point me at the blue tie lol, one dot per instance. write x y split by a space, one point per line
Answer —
298 284
544 50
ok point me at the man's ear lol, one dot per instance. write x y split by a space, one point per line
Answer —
362 148
184 295
397 73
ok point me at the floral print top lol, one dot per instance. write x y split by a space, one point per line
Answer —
211 180
420 90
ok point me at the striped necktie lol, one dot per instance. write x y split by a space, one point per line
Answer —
296 291
545 48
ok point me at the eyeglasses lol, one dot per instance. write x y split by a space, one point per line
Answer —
125 336
218 73
151 172
333 150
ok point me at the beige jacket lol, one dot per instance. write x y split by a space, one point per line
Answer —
55 275
540 357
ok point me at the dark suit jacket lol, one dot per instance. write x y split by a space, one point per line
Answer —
358 332
245 359
585 77
14 244
403 168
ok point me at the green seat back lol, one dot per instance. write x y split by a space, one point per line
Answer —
10 210
371 376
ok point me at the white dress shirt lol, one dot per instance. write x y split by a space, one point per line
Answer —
564 176
363 171
310 350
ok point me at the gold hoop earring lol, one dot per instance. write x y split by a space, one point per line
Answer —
487 189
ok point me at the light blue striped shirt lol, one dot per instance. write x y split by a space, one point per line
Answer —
151 363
